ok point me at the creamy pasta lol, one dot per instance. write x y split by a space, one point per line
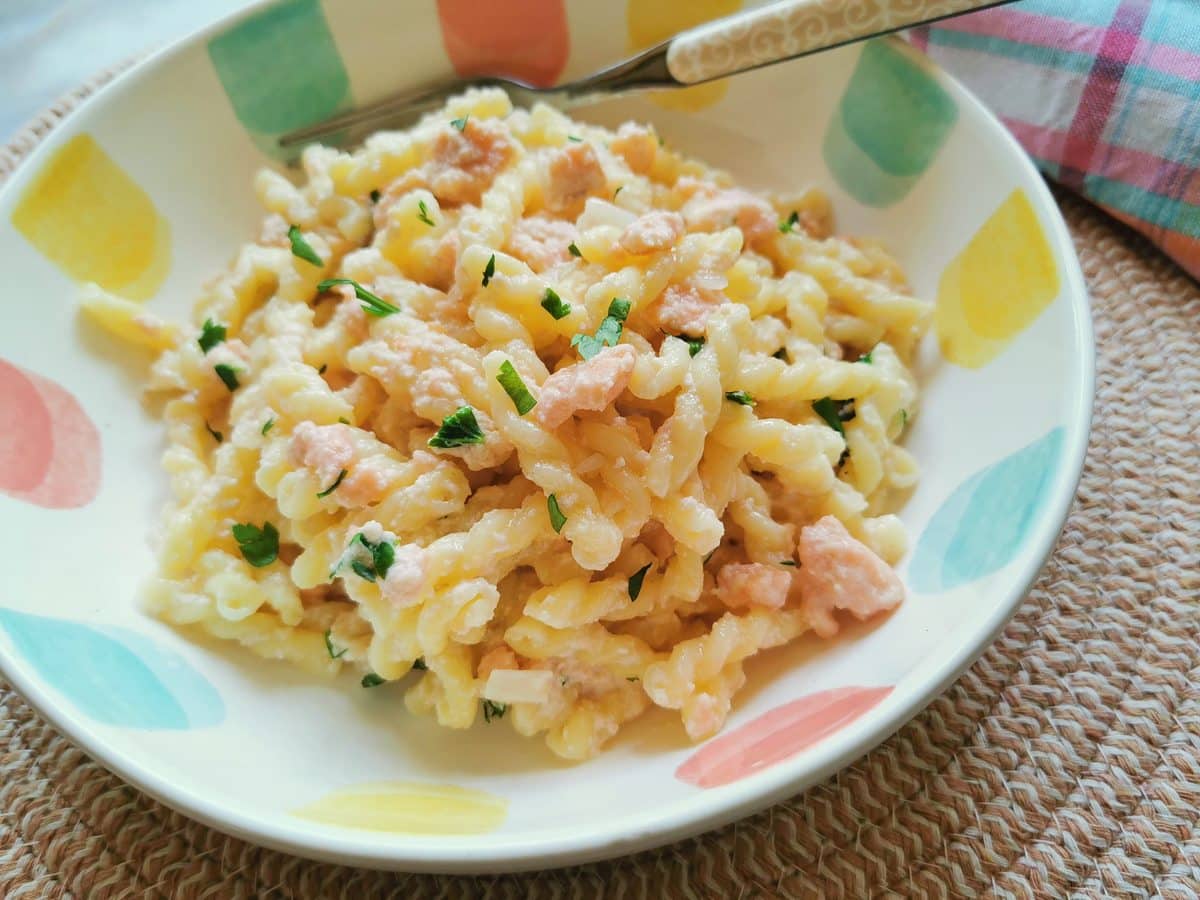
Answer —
560 419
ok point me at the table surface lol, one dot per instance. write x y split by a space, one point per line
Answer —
48 47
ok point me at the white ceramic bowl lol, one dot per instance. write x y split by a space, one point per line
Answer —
146 188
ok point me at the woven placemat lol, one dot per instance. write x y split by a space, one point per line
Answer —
1065 762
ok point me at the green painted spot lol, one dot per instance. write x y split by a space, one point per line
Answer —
889 126
281 70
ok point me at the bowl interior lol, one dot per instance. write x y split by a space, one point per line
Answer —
147 190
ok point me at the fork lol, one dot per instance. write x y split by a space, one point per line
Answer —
728 46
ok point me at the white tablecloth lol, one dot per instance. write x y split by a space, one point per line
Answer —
48 47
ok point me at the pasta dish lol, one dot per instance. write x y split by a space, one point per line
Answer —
560 419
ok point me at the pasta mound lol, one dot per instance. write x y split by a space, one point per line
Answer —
562 420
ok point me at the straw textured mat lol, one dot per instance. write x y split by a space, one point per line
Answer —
1065 762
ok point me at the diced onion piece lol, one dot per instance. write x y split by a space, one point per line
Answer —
597 213
519 686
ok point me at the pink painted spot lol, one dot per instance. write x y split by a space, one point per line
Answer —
777 735
49 448
525 39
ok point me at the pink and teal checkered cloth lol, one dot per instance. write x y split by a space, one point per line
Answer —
1105 96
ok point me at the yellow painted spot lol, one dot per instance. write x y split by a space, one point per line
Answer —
997 286
88 217
410 807
651 22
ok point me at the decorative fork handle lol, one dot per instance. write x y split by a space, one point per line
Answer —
795 28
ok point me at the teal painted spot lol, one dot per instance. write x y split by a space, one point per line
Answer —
891 122
281 70
981 526
114 675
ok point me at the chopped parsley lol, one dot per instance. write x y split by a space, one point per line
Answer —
788 562
216 435
695 344
227 374
343 420
575 140
557 519
423 214
617 191
259 546
511 381
635 581
375 195
268 425
460 124
866 357
489 270
419 664
780 354
708 556
382 555
333 487
372 305
740 397
371 680
834 412
632 678
329 645
324 366
573 250
211 334
609 332
302 248
493 710
458 429
789 225
902 415
553 304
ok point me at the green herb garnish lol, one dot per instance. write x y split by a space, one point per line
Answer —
866 357
553 304
788 562
227 374
375 195
609 332
780 354
371 680
493 710
458 429
834 412
617 191
216 435
489 270
635 581
708 556
573 139
268 425
460 124
324 366
375 306
423 213
259 546
695 344
383 554
211 334
333 487
573 250
740 397
557 519
329 645
511 381
302 248
419 664
788 226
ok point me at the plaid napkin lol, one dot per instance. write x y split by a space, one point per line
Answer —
1105 96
